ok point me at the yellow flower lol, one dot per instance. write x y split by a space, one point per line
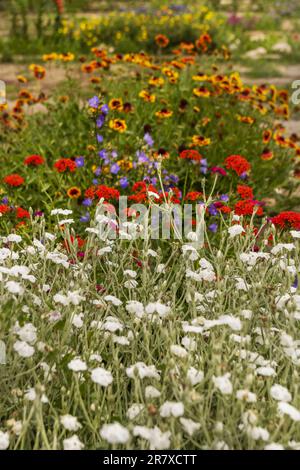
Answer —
74 192
118 125
146 96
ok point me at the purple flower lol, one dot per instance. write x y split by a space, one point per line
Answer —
142 157
100 121
97 172
295 283
148 139
114 153
213 228
94 102
224 197
104 109
153 181
124 182
212 210
174 178
87 202
99 138
114 169
85 218
5 200
244 176
38 214
79 162
203 169
102 154
204 162
95 181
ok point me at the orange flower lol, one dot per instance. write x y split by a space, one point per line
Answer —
161 40
38 71
164 113
267 155
201 92
116 104
146 96
201 141
118 125
74 192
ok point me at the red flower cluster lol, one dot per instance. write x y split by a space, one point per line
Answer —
65 164
247 208
193 196
34 160
238 164
140 190
191 155
287 219
245 191
4 209
14 180
22 213
102 191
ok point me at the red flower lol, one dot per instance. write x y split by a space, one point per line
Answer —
14 180
80 242
34 160
245 191
191 155
287 219
65 164
238 164
193 196
4 209
107 193
247 208
22 213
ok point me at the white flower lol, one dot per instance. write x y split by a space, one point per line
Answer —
14 287
130 273
142 370
273 446
170 408
131 284
26 333
295 233
282 246
266 371
14 238
70 422
134 410
152 392
291 411
136 308
115 433
4 440
257 433
157 307
66 221
101 376
235 230
23 349
158 440
77 320
195 376
178 351
73 443
114 300
77 365
280 393
223 383
189 426
246 396
61 212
